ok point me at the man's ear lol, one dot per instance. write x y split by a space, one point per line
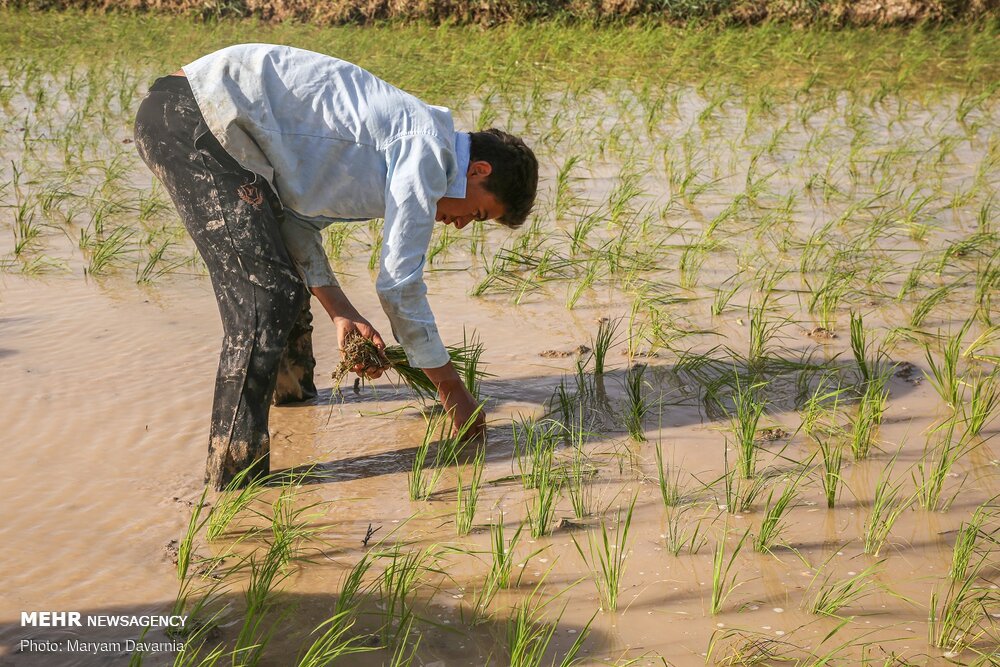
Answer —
480 168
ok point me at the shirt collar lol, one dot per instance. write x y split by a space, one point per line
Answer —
462 147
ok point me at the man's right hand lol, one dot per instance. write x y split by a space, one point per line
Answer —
348 320
456 400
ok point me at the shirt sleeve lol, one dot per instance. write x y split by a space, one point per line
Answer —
417 178
304 243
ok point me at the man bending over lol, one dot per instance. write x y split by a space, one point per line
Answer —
260 147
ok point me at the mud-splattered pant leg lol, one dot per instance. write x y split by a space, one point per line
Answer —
295 372
260 295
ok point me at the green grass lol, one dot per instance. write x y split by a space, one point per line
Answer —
468 498
724 578
834 596
608 554
888 505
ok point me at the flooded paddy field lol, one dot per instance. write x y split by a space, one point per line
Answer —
740 368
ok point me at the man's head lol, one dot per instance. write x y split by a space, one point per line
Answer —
501 182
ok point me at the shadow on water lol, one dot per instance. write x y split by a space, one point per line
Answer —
677 396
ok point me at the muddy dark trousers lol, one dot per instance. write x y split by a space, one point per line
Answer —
233 218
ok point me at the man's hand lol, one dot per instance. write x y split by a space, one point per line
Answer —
349 321
457 401
358 325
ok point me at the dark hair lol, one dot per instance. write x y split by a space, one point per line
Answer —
514 178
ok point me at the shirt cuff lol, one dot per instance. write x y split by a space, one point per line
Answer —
420 341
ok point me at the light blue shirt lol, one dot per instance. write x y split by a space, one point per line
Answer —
339 144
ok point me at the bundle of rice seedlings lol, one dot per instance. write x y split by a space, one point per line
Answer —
360 350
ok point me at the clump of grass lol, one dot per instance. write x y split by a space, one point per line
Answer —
775 511
887 507
577 480
465 507
681 538
934 468
965 543
359 350
748 410
983 402
636 405
529 635
670 486
960 617
871 408
546 481
723 578
832 597
501 563
608 555
422 481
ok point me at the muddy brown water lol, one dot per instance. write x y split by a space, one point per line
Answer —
107 393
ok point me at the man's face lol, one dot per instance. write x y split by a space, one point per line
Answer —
478 204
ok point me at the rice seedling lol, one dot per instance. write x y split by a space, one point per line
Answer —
608 555
748 409
564 194
775 511
352 585
871 407
670 486
724 294
960 617
501 564
577 479
238 495
582 228
832 597
405 653
397 587
607 332
422 481
723 578
935 467
542 508
984 399
944 377
636 405
887 506
740 492
528 635
534 447
265 573
107 252
861 348
465 508
965 542
832 456
333 641
926 305
679 537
